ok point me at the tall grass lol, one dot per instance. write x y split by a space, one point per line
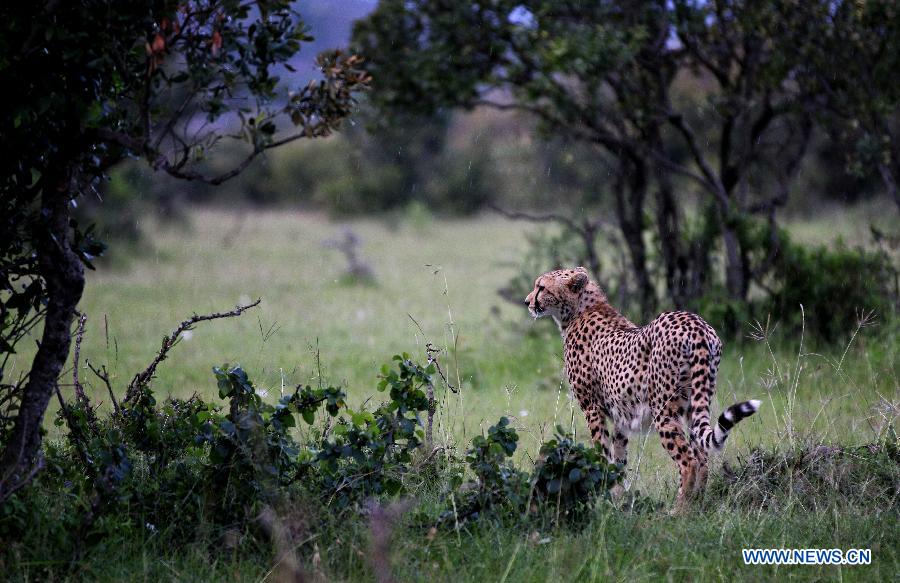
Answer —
814 468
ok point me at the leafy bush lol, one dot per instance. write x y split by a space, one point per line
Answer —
835 287
370 452
192 469
567 478
498 485
571 475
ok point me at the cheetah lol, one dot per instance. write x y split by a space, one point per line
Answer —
623 372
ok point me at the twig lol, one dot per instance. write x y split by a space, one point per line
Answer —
80 396
79 336
103 375
78 439
39 464
142 378
431 351
287 565
382 520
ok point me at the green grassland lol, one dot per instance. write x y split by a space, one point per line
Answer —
436 282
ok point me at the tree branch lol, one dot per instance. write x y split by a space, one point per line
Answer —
79 336
142 378
711 179
533 218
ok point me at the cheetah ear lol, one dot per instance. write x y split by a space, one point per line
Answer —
578 281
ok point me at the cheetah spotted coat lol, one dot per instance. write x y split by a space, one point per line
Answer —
664 371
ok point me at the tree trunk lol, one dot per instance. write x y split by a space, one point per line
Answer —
63 274
890 182
736 267
631 219
589 236
735 270
670 241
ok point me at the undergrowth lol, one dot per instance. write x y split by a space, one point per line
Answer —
308 487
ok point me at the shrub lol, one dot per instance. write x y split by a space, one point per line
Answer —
567 478
571 475
187 469
370 452
499 487
813 474
834 285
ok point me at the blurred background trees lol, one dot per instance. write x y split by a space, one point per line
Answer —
704 113
683 131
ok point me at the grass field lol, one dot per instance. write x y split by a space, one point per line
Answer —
436 281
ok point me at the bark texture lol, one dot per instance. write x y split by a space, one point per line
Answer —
63 273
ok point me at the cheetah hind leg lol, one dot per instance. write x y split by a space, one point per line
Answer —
702 469
671 433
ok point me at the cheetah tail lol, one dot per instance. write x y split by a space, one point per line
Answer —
729 418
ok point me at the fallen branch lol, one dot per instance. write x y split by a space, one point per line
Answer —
142 378
357 268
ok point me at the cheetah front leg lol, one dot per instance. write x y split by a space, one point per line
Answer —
620 446
619 457
596 422
614 449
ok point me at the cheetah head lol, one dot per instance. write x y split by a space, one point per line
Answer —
557 293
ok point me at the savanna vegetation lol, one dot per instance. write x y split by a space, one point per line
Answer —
348 385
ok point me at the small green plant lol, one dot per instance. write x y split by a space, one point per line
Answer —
566 479
572 475
499 486
369 453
